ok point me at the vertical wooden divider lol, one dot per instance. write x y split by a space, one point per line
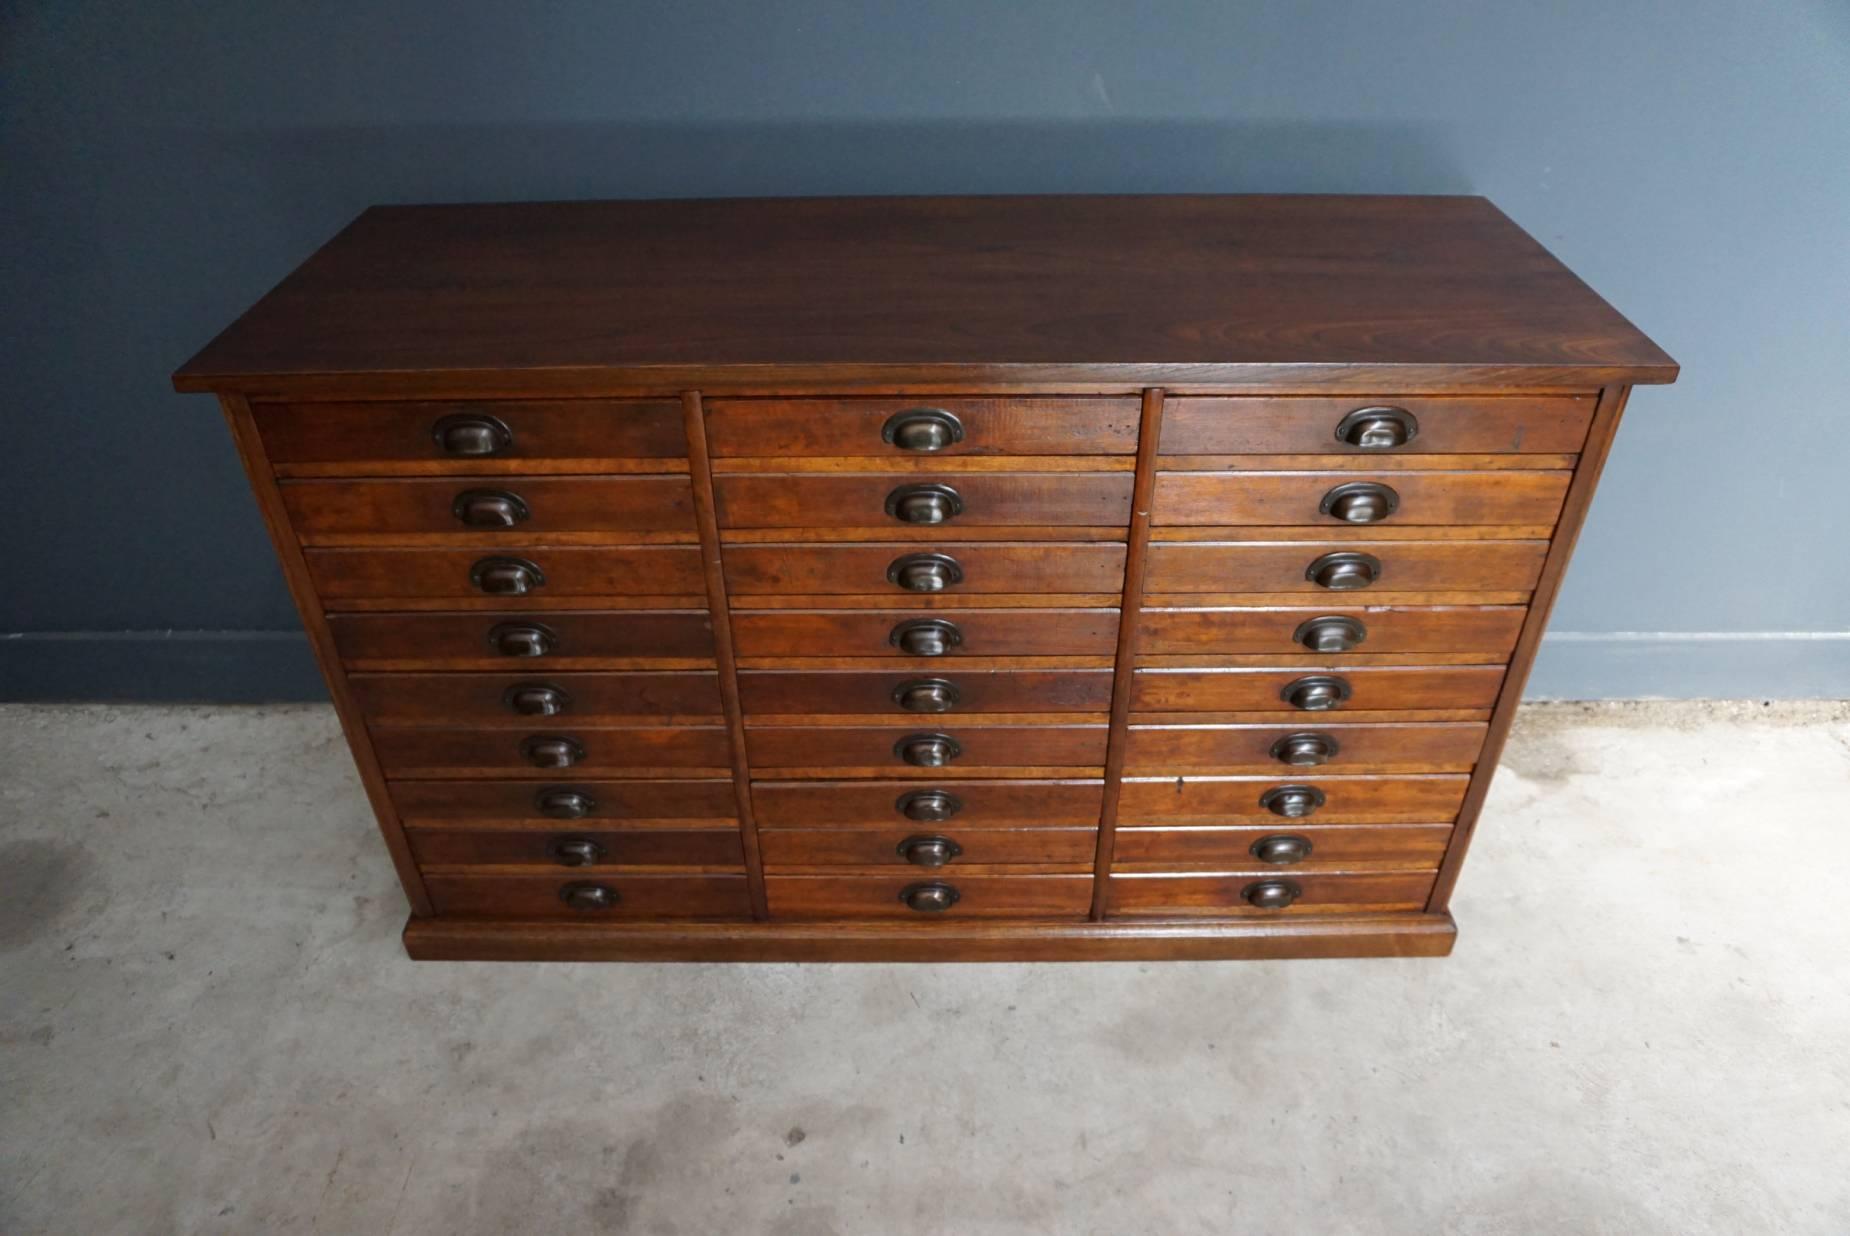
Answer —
700 469
1130 607
1574 506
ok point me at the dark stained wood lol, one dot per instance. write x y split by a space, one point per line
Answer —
800 692
991 499
1140 290
498 752
983 746
1186 893
482 699
1425 746
877 896
1213 845
1043 803
1488 629
1371 688
1429 799
657 570
880 847
852 427
436 638
631 803
645 897
322 511
992 567
1262 498
1406 566
546 435
986 633
709 847
1294 424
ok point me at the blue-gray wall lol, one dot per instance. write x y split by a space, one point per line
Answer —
161 165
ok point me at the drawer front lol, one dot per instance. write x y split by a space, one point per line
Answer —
906 804
1289 844
460 434
535 638
905 567
970 499
529 699
1325 567
578 850
960 633
925 750
863 897
1530 499
931 428
1227 894
1310 424
508 574
1487 629
517 508
551 752
624 896
566 802
1313 690
1431 746
952 692
905 848
1431 799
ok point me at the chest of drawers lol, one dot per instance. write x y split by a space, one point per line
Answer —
927 579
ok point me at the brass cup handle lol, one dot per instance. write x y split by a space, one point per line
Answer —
576 851
1271 894
1378 428
929 851
922 429
925 572
1280 849
924 504
581 896
926 637
1293 802
927 695
522 639
557 804
506 577
1344 572
1316 692
490 508
1305 750
1330 633
927 750
1360 502
471 434
928 806
933 898
552 751
536 699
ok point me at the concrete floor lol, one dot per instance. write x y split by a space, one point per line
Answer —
208 1026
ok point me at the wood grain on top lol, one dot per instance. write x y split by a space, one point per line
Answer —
1299 291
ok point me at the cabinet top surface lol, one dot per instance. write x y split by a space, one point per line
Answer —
1272 291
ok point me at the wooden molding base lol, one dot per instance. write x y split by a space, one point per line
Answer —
1387 935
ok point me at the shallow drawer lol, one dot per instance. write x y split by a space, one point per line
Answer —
898 633
961 499
550 752
515 508
1233 894
909 896
951 691
565 801
1312 690
1284 846
961 804
1428 746
1317 424
918 846
1487 629
1530 499
1326 567
527 699
923 750
537 638
1431 799
508 574
933 427
993 567
578 849
578 897
460 434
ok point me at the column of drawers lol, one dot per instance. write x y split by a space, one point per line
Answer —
1333 590
924 605
516 595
